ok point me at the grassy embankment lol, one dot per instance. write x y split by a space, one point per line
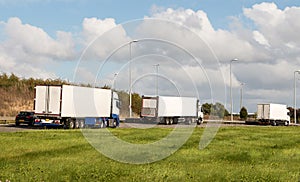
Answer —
235 154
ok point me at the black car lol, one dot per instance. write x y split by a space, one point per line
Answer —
26 117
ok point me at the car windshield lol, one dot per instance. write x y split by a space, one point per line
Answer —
26 113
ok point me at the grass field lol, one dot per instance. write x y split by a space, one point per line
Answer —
235 154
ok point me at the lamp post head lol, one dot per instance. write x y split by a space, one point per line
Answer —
235 59
134 41
297 71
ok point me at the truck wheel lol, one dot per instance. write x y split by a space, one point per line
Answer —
171 121
76 125
81 124
164 121
286 123
102 124
114 123
70 124
175 121
167 121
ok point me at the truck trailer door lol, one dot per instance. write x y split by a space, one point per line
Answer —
47 100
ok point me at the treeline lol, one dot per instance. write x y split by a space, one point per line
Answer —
218 111
18 93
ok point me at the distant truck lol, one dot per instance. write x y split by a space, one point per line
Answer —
171 110
274 114
76 107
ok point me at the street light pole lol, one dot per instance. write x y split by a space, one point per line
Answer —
113 83
231 102
295 104
130 80
156 83
241 99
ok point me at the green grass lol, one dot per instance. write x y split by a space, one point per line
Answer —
235 154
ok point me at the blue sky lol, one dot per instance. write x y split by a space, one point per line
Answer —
67 15
45 38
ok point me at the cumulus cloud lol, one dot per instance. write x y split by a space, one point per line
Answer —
35 41
225 43
268 53
101 37
27 50
93 27
278 27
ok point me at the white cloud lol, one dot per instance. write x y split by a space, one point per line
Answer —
35 41
278 26
268 54
260 38
102 37
27 50
93 27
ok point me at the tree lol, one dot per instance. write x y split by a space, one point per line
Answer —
136 103
219 110
243 113
206 108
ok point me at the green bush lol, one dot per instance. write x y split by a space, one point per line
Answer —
243 113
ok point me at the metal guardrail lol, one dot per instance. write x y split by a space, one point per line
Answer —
6 120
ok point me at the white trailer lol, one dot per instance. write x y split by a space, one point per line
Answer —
75 107
275 114
169 110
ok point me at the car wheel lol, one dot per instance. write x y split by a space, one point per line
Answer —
31 123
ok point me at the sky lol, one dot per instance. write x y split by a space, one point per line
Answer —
192 41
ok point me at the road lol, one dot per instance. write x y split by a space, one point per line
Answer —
13 128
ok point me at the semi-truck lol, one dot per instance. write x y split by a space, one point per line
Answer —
171 109
274 114
76 106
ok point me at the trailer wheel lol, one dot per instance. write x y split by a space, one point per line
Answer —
81 124
76 124
163 121
175 121
171 121
70 124
167 121
114 123
199 121
102 124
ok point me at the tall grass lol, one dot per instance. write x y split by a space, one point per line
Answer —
235 154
